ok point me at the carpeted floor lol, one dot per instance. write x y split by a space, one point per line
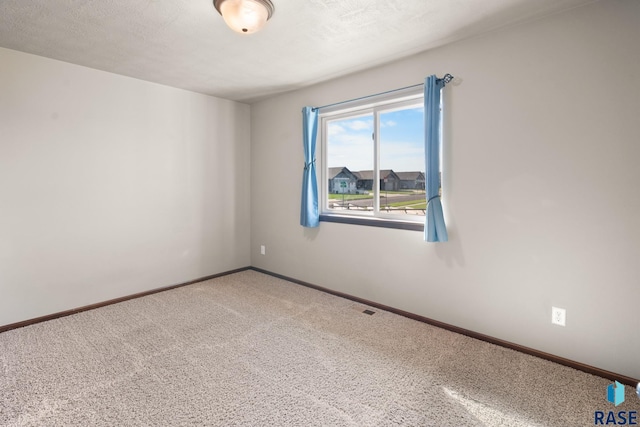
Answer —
251 350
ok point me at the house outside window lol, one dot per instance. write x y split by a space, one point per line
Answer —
342 181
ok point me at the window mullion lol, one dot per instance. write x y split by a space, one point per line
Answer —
376 162
324 190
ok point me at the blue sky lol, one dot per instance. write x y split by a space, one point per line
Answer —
401 141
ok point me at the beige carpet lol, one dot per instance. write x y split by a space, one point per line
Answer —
251 350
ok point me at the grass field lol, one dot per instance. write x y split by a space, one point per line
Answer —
415 204
350 196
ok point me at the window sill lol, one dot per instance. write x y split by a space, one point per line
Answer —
373 222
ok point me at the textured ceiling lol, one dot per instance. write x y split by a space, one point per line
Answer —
185 43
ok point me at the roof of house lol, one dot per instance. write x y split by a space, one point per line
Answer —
368 174
410 176
334 172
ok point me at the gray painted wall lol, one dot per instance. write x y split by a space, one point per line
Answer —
111 186
540 190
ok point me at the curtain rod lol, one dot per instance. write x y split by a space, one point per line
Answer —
446 79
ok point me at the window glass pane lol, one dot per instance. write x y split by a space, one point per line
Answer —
350 164
402 163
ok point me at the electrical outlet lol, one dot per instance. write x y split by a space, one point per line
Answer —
263 250
558 316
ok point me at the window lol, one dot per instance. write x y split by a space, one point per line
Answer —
373 162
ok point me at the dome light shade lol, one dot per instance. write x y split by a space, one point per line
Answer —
244 16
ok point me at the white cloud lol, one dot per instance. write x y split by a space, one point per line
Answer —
359 124
355 151
335 129
401 148
402 156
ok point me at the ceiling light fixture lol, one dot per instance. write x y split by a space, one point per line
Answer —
245 16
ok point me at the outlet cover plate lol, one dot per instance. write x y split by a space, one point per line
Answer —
558 316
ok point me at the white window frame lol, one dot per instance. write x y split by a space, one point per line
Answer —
374 105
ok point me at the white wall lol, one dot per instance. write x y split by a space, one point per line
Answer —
111 186
540 188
